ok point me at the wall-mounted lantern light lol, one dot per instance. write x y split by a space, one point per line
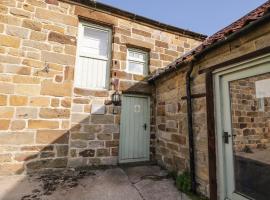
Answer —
116 98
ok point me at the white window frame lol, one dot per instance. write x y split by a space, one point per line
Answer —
80 40
145 62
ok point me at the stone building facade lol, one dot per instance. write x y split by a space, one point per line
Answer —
46 121
250 124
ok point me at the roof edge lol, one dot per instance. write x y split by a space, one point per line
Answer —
205 47
117 11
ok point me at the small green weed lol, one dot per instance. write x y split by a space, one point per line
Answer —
183 183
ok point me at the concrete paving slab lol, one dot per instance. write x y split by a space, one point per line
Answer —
133 183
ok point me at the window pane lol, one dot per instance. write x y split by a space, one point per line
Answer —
138 56
91 73
95 41
136 67
93 57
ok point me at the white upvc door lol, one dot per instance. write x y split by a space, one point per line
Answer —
231 157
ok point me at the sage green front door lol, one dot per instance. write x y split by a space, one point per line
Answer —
243 130
134 129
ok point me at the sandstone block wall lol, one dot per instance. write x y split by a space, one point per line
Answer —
44 121
171 122
172 146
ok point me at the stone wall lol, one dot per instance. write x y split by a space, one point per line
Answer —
172 146
171 121
44 121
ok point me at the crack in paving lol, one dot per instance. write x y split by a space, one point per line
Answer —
51 181
145 177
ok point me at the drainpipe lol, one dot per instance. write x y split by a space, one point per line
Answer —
190 128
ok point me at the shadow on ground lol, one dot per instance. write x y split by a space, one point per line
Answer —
110 183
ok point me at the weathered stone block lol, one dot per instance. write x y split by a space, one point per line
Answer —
99 16
39 124
51 113
141 32
6 88
36 3
56 17
56 89
87 153
28 7
95 93
9 41
20 13
47 163
78 144
104 136
80 118
14 69
81 101
111 129
102 119
96 144
114 151
47 154
92 128
31 24
82 136
39 36
6 112
18 100
61 150
114 143
10 59
39 101
18 125
103 152
11 168
69 73
4 124
17 31
3 100
52 137
61 38
54 2
36 44
31 90
14 138
26 113
55 102
66 102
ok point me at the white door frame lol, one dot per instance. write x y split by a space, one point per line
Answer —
254 67
148 122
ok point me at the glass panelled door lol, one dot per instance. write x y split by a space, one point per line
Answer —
244 132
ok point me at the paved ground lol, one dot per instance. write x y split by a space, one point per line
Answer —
132 183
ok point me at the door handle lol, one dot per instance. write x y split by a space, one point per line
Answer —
145 126
226 137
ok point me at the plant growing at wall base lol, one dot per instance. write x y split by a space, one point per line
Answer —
183 182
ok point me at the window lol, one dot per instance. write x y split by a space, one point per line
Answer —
93 57
137 61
